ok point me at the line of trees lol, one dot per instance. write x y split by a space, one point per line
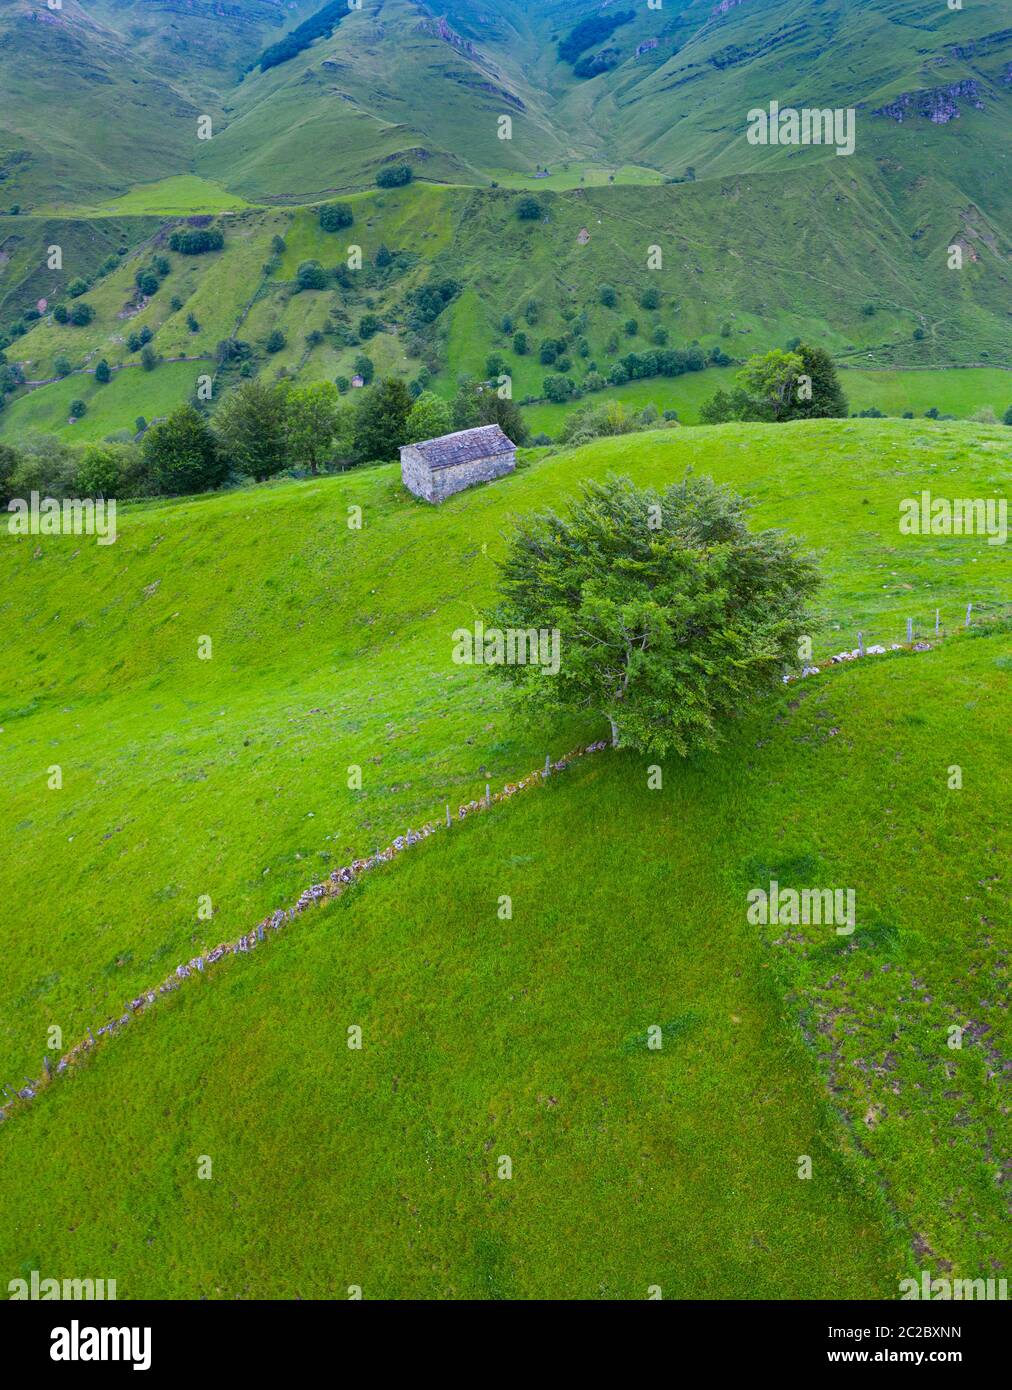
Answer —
260 430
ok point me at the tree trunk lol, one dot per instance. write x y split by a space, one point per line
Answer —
614 731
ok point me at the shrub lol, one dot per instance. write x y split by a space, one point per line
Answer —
334 216
558 388
310 276
528 210
196 241
81 314
394 176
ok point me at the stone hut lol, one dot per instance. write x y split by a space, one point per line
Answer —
437 468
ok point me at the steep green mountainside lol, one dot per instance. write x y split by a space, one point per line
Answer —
101 94
760 243
399 78
862 287
486 1036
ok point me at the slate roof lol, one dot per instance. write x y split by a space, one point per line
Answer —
464 446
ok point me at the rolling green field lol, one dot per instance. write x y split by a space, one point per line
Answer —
485 1037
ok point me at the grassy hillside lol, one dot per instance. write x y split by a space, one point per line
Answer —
332 649
860 291
104 94
959 393
760 243
431 82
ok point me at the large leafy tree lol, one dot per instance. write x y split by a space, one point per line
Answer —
798 384
9 460
494 409
673 615
101 471
430 417
381 421
252 425
771 381
182 453
479 404
314 423
827 398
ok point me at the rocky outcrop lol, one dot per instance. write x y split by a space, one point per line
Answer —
439 29
977 48
936 104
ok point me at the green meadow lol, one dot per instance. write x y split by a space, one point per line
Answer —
959 393
131 393
486 1036
181 195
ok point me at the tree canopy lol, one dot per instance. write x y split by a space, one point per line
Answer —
673 615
